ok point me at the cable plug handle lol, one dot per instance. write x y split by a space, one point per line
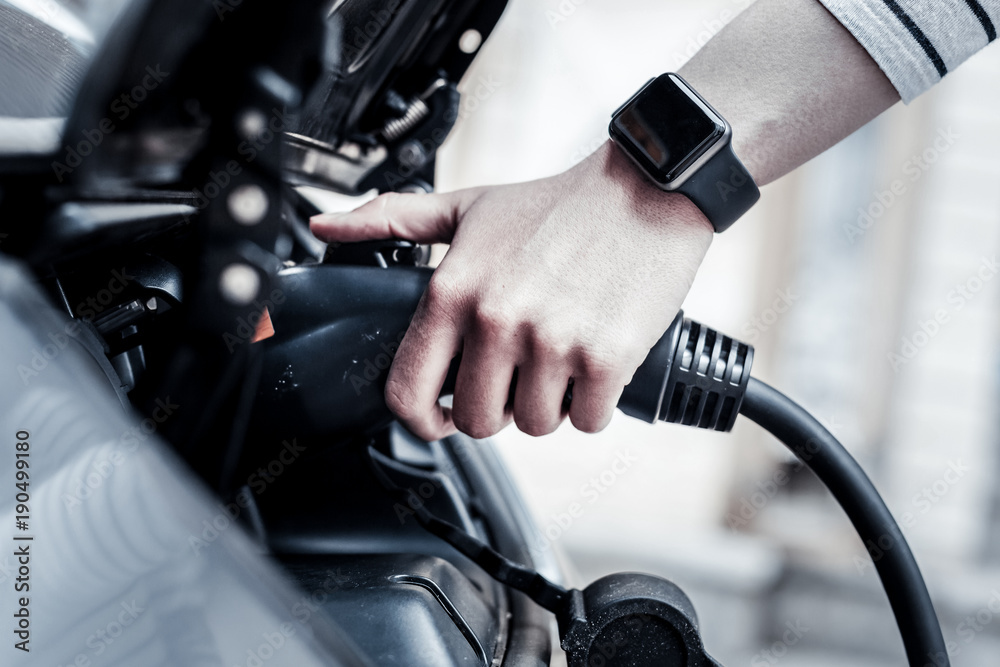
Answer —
699 377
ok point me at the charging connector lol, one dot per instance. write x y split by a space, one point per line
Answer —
699 377
337 333
694 376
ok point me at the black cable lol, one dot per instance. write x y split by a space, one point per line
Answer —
547 594
696 376
843 476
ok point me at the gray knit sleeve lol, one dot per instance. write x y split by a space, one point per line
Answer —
917 42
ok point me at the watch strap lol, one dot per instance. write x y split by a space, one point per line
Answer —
723 189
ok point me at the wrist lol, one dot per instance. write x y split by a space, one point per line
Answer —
625 180
753 128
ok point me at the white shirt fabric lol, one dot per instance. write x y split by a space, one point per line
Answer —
917 42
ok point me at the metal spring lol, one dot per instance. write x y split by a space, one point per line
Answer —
397 127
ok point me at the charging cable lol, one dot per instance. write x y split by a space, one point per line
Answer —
699 377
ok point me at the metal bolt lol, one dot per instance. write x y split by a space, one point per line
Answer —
239 284
248 204
412 155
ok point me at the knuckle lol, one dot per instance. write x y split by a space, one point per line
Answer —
599 363
474 428
534 426
399 399
634 353
443 292
385 206
589 422
611 362
549 342
493 320
388 201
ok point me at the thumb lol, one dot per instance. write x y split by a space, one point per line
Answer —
421 218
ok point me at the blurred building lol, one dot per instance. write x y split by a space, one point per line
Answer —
867 282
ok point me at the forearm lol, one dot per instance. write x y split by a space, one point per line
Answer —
791 80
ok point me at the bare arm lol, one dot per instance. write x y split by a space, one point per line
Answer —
573 278
791 80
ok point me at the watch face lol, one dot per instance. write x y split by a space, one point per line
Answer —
667 127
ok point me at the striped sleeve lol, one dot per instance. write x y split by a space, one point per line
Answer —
917 42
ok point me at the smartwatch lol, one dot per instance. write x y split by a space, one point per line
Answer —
684 145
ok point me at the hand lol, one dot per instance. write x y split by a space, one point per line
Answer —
567 279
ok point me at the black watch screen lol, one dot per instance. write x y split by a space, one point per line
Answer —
666 128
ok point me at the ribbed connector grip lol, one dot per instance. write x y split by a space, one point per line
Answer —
708 379
694 376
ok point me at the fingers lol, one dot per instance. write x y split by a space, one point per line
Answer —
489 355
419 370
432 341
597 389
493 345
420 218
538 400
482 390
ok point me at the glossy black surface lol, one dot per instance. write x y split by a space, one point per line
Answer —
666 128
